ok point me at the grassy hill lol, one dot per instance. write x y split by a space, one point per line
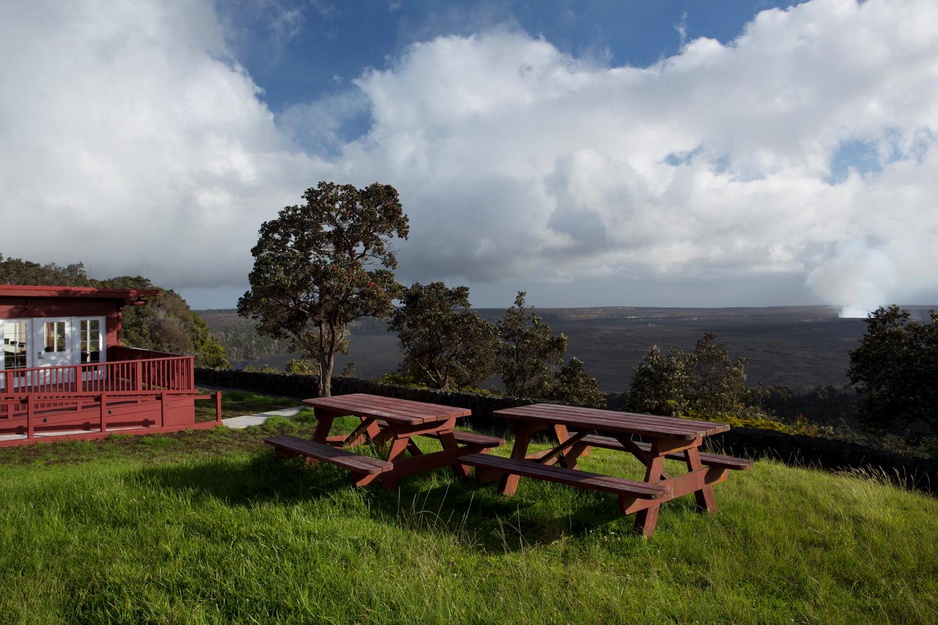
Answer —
209 527
793 346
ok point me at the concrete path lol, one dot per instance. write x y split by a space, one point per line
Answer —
256 419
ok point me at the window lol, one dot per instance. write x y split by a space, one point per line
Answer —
53 333
14 344
89 340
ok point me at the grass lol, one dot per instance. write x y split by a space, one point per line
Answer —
235 403
209 527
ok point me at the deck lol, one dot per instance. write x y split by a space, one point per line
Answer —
134 392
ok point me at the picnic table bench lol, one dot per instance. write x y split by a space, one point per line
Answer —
573 430
582 479
711 460
286 445
390 422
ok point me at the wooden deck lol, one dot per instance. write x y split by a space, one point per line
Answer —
139 392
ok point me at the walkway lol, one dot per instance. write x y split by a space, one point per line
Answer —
256 419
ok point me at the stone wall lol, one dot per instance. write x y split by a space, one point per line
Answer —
917 473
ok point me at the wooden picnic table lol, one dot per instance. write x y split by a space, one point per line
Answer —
390 422
575 430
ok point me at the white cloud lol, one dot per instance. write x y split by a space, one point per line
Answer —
519 162
132 140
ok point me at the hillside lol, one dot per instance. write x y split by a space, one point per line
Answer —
789 345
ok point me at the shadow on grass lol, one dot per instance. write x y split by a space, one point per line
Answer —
437 502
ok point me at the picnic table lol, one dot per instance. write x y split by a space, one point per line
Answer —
575 430
390 422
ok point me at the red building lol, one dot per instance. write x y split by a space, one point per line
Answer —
65 374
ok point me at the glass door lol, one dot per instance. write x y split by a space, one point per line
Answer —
91 351
52 345
15 334
91 340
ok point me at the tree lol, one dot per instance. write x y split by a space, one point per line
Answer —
573 385
704 383
323 264
895 370
528 353
660 383
445 343
19 271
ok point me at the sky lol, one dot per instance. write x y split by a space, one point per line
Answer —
590 153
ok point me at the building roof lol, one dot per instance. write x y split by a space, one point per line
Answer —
127 296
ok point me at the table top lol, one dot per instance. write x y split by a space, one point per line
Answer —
579 418
389 409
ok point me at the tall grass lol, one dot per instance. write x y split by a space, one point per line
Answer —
237 536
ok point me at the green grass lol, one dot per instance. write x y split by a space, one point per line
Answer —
209 527
235 403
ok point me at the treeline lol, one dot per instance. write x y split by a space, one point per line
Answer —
166 324
240 338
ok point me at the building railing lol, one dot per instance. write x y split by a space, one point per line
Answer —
135 391
126 370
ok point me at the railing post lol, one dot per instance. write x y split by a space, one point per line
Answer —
103 412
139 373
218 407
30 432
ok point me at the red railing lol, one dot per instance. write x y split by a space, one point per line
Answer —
153 390
128 370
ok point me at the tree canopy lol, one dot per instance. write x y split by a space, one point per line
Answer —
703 383
19 271
573 385
528 353
320 265
446 344
895 371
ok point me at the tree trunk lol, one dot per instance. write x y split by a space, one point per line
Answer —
328 346
325 377
326 360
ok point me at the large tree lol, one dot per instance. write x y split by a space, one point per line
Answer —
528 353
895 371
322 264
445 343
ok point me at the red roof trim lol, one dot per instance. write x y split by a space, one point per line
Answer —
22 290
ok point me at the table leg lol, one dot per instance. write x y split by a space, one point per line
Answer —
706 502
397 447
508 483
323 425
645 520
562 435
448 440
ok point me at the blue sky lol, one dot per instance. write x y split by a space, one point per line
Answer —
591 153
299 50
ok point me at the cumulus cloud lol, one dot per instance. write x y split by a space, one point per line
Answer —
518 161
133 140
